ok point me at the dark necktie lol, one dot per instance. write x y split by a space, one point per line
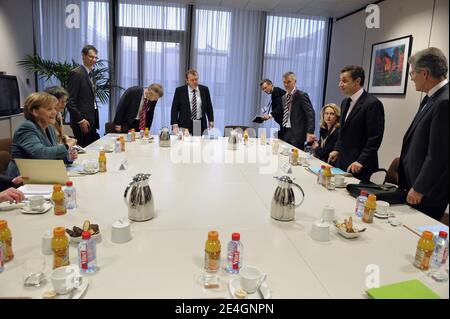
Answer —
142 115
287 109
349 102
194 105
423 103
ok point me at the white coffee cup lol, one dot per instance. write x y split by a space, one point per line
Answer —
339 180
320 231
90 165
36 202
66 278
251 278
121 231
47 243
382 207
285 149
328 214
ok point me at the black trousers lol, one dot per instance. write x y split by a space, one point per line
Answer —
287 135
434 211
85 139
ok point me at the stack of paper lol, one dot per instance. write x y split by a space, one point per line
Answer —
334 171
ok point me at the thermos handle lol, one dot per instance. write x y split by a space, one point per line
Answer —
126 192
303 194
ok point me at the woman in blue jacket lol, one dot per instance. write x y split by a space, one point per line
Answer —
36 137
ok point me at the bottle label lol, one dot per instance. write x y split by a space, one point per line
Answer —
422 259
61 257
83 259
236 258
60 208
7 250
212 261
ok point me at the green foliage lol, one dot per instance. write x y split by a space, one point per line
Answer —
47 69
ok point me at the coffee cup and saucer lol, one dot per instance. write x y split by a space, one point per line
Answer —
36 205
249 284
67 283
339 181
382 211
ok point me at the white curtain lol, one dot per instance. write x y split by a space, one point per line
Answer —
56 41
296 43
151 48
228 50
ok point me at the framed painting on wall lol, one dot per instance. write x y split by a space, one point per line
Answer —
389 66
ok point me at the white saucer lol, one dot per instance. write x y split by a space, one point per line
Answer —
76 293
341 186
234 284
89 172
10 206
45 208
389 214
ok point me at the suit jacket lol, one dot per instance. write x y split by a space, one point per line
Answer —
81 103
361 135
128 108
302 117
181 108
5 182
277 104
424 159
31 142
323 153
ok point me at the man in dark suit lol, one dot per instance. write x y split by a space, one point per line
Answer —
362 126
424 159
191 105
82 104
136 108
296 114
275 99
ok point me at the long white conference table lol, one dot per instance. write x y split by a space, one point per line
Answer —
200 185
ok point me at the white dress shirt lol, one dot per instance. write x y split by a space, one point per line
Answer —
288 124
355 97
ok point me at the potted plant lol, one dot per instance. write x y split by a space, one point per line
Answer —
46 69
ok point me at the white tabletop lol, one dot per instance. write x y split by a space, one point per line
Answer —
222 190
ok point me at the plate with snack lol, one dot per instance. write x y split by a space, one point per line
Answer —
75 232
348 229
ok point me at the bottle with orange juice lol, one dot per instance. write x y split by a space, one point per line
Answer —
369 209
60 247
425 248
6 239
58 200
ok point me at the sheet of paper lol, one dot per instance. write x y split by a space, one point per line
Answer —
41 171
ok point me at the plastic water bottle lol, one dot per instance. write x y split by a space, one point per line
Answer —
87 256
234 254
320 175
70 196
360 203
1 257
440 253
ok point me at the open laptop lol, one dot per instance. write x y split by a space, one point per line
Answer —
41 171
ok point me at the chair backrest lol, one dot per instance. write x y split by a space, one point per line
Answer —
5 153
109 127
392 172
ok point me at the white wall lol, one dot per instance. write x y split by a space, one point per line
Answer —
16 40
399 18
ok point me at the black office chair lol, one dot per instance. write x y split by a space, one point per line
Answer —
391 174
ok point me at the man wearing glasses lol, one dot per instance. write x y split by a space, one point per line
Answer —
424 159
276 103
82 104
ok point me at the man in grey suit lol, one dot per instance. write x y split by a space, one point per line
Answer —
297 114
424 159
82 105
